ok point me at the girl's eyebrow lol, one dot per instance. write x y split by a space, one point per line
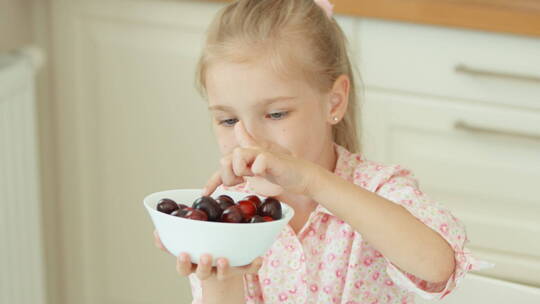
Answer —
264 102
269 101
220 108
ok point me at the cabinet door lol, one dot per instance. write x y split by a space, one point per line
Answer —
481 162
455 63
126 110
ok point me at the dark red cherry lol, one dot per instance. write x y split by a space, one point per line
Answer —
224 201
225 197
272 208
254 199
256 219
209 206
196 214
249 209
267 218
181 212
233 214
167 205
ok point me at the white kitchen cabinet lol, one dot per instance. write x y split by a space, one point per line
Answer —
479 159
487 179
457 63
130 123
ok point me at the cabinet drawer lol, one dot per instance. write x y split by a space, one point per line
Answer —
483 163
464 64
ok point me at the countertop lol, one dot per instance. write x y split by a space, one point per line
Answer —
504 16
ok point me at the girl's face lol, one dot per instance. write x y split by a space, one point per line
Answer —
285 112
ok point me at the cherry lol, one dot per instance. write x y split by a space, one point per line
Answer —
224 201
256 219
167 205
181 212
196 214
225 197
267 218
249 209
182 206
272 208
254 199
260 219
232 214
209 206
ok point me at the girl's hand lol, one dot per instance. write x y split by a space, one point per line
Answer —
269 169
204 270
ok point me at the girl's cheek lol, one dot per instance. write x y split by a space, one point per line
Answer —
223 147
226 144
226 151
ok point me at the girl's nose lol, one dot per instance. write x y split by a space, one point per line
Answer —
254 130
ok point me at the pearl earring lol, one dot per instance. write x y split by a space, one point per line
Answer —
336 119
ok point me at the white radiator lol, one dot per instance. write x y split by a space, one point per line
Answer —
21 246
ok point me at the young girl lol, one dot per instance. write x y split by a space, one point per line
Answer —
280 88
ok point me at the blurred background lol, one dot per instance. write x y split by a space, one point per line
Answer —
98 108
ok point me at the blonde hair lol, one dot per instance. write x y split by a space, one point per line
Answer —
251 30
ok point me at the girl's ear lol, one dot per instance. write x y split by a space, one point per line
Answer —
339 99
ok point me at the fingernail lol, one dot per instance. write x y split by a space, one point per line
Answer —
183 258
205 259
204 190
221 263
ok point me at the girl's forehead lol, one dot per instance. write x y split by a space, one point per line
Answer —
228 82
240 74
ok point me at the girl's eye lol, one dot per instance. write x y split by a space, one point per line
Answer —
274 116
228 122
278 115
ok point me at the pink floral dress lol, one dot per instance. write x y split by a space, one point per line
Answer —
329 262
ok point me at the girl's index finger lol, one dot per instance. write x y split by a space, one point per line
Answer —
212 184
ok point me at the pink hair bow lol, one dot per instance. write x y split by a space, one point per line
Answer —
326 6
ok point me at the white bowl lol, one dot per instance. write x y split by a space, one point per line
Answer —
240 243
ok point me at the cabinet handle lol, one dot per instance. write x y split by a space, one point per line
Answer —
461 68
464 126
